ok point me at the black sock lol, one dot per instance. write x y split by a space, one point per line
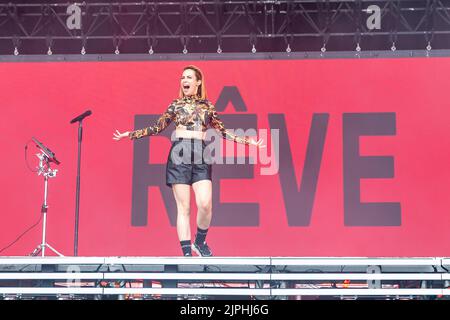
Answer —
186 247
201 236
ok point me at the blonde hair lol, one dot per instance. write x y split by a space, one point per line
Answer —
201 92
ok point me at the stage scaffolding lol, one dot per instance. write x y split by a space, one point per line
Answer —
223 26
279 278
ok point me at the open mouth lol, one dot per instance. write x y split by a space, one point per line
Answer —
186 87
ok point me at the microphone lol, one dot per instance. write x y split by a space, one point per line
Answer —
50 155
81 116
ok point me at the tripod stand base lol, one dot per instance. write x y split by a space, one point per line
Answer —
40 250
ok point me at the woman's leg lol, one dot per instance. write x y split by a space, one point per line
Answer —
182 194
203 199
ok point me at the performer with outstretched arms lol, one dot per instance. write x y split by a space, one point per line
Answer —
192 113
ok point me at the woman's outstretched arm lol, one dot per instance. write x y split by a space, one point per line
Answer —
217 124
162 123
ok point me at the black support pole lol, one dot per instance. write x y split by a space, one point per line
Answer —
77 197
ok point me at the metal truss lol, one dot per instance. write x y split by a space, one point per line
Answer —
258 278
224 26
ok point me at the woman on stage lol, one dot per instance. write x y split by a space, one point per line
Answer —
192 114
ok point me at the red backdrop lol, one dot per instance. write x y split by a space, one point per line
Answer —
39 99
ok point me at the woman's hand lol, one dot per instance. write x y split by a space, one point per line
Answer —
117 135
257 143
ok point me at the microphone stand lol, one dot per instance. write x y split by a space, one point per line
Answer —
47 173
78 119
77 197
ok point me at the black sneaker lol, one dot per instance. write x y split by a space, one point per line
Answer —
202 249
188 254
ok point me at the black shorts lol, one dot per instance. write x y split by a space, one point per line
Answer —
188 162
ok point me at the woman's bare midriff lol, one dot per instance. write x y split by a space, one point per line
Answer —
188 134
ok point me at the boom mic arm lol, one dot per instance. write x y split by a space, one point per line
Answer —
50 155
